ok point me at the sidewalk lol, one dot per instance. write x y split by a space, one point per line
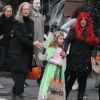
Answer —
91 91
31 91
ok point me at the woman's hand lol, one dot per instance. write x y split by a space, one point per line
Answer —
38 44
1 37
63 54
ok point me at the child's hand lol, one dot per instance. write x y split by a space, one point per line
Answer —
38 44
63 54
34 56
59 65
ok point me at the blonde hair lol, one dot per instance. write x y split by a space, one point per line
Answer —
55 39
19 15
4 9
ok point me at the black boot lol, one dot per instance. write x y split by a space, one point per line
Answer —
80 98
13 94
18 97
13 97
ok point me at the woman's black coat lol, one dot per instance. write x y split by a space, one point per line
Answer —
6 29
21 48
79 57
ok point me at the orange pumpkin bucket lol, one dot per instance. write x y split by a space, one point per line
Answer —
35 74
97 58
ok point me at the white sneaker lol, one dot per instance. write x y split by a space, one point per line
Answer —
1 87
75 87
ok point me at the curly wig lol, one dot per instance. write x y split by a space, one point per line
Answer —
89 28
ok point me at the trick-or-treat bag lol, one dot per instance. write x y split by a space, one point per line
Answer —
56 87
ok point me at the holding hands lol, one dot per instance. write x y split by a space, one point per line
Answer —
38 44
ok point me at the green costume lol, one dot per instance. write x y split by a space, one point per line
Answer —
48 74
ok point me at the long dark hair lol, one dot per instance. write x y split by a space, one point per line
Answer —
83 8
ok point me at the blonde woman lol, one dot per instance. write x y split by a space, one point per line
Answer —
21 49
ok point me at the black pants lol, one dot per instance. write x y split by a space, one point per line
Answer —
82 79
67 74
99 91
4 50
19 80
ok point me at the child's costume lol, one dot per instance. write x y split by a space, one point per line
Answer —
50 69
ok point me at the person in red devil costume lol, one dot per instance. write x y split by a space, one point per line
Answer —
82 39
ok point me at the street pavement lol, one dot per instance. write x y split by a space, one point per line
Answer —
31 91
